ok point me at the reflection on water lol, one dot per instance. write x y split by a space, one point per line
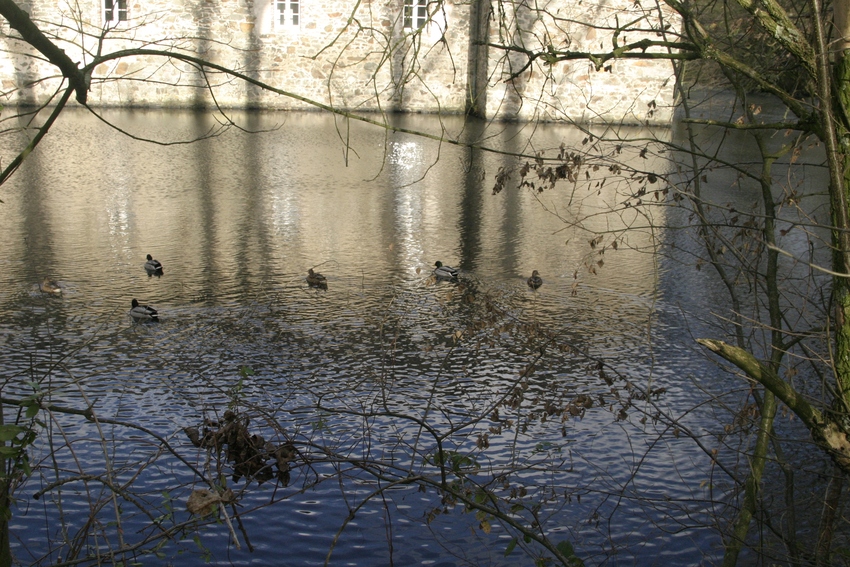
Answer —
237 220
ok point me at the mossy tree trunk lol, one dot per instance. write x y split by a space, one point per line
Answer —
840 197
828 68
829 72
5 510
838 148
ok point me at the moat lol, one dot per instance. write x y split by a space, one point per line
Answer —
237 220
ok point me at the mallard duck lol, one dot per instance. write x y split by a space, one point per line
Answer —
535 280
49 286
445 272
143 312
153 267
317 280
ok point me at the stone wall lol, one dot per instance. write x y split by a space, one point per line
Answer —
355 56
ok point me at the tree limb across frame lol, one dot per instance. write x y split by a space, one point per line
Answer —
21 22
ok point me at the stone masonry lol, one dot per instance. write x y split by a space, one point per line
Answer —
353 55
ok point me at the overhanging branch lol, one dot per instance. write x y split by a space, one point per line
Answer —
826 432
21 22
756 370
637 50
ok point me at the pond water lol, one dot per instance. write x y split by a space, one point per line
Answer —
237 220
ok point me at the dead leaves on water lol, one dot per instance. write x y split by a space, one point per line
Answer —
203 501
248 454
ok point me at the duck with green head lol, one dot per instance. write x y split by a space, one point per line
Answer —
446 273
153 267
143 313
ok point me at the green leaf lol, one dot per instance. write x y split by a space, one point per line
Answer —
566 549
32 410
9 432
511 546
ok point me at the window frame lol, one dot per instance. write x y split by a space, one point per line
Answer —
291 15
113 10
415 12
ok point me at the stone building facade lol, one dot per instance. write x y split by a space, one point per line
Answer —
357 55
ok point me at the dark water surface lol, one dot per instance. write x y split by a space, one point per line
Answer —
237 220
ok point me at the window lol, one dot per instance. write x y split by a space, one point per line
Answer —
415 14
114 11
277 16
287 13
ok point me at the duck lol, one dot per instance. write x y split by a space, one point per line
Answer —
143 312
317 280
49 286
445 272
535 280
153 267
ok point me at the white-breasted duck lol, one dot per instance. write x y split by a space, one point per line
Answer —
153 267
143 312
445 272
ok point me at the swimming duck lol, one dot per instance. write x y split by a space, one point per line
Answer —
143 312
49 286
153 267
445 272
317 280
535 280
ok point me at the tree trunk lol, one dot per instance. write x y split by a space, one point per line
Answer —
839 163
5 510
